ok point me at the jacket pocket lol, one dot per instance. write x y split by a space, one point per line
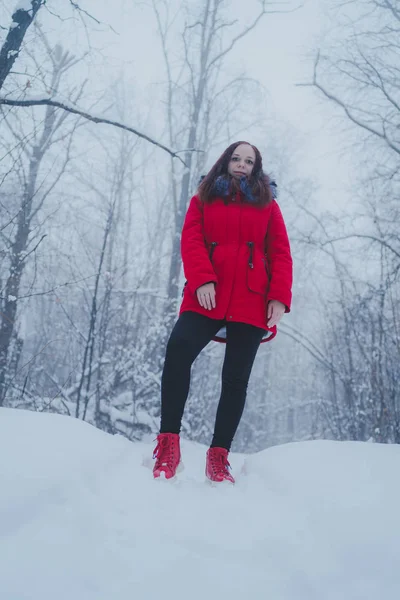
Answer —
256 272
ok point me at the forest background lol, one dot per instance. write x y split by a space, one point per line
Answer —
108 117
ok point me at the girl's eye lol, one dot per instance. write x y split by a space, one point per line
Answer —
249 162
234 158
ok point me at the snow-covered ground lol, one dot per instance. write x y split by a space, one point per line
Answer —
82 519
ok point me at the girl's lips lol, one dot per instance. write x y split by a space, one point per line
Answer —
238 173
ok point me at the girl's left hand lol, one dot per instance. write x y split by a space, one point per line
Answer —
275 312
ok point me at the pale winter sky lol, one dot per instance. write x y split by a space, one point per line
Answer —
278 53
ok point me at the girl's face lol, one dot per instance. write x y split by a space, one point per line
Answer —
242 161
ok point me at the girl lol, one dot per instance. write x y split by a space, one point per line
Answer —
238 267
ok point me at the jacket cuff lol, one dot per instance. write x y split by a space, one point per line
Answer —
287 304
195 282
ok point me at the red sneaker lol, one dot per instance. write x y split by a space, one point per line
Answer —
167 454
217 465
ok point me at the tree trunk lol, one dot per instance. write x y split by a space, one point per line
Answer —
17 264
21 20
87 364
25 215
175 264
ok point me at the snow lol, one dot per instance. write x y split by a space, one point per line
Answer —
82 518
25 5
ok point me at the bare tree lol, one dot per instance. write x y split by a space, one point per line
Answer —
360 337
22 17
359 74
24 241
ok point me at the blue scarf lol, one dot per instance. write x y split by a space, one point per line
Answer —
222 185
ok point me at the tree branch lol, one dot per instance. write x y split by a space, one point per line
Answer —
89 117
52 290
246 30
77 7
347 110
308 345
366 237
35 248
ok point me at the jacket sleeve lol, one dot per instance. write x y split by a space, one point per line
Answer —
279 258
197 265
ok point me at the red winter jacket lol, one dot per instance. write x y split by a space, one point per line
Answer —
245 250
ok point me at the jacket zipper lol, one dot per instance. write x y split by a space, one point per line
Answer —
251 247
212 248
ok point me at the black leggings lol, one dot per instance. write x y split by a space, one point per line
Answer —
192 332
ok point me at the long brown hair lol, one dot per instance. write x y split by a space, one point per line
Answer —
259 182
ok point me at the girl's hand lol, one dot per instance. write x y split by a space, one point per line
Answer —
275 312
206 295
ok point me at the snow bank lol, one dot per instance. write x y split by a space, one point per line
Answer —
82 519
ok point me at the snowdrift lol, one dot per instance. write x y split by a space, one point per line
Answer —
82 519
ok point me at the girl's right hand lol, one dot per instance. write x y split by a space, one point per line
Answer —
206 296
